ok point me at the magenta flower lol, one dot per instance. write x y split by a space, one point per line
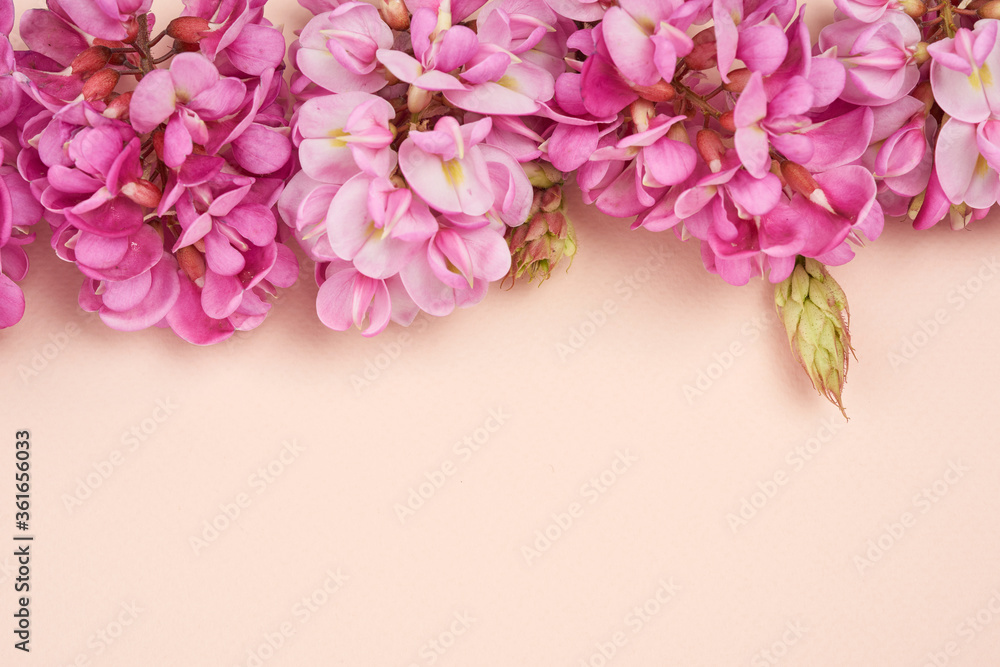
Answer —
95 177
781 119
187 95
107 19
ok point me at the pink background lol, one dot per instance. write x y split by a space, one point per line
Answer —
873 543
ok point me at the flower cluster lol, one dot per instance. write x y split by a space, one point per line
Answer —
159 159
414 133
421 149
18 209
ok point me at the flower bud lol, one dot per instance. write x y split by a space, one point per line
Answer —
920 53
991 10
91 59
801 181
710 148
192 263
542 174
658 92
813 309
100 85
188 29
728 121
738 80
158 138
395 14
545 239
914 8
925 94
118 107
418 99
116 58
143 193
704 55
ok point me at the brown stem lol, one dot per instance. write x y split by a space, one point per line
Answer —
142 46
696 100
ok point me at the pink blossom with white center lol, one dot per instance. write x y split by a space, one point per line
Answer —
339 135
187 95
964 72
337 49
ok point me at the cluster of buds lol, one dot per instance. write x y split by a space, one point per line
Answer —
548 237
813 309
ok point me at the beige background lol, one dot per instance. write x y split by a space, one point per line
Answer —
141 442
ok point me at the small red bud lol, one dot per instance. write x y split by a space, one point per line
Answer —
116 58
738 80
706 36
799 178
118 107
91 59
704 53
658 92
711 148
728 121
100 85
551 199
189 29
192 263
143 193
158 137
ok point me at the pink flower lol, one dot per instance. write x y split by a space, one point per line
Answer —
781 119
347 297
751 31
578 10
446 168
340 135
963 72
878 57
107 19
337 49
95 177
187 95
455 268
377 226
645 39
964 172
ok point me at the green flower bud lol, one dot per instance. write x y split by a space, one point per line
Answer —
813 309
